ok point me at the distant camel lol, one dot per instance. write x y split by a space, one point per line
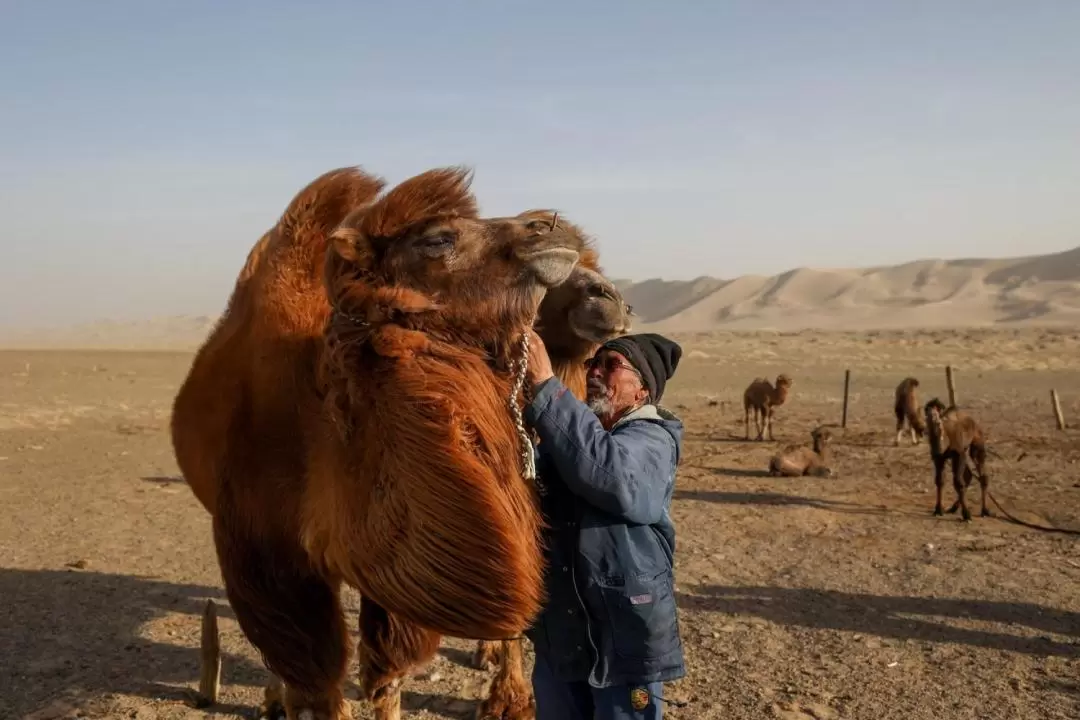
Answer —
798 460
761 397
906 407
955 436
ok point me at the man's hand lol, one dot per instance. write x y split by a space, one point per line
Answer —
539 368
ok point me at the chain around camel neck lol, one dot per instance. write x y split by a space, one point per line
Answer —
519 366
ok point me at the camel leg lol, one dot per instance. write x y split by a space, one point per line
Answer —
899 428
768 423
958 467
511 696
486 654
290 614
389 647
746 419
939 482
978 456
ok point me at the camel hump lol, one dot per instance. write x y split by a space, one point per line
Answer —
321 205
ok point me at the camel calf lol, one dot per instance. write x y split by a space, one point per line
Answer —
799 460
906 407
955 436
761 397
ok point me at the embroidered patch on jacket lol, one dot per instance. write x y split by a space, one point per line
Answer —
641 599
639 698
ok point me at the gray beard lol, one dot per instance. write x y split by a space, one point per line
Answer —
600 405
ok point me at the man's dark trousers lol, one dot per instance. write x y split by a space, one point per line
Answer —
558 700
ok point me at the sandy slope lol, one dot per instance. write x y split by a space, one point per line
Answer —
1043 290
925 293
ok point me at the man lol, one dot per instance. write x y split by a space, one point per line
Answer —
608 637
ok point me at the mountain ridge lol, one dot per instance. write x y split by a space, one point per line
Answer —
924 293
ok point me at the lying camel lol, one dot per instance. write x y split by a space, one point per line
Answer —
799 460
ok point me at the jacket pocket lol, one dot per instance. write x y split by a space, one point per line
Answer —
641 615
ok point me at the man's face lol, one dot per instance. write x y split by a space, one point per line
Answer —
613 385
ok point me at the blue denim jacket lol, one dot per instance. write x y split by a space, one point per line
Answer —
610 616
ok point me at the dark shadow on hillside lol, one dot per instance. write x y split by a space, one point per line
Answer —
884 616
76 629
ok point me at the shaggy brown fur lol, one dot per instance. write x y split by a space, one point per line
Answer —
955 436
442 533
761 397
798 460
906 407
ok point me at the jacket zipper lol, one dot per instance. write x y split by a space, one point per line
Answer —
584 612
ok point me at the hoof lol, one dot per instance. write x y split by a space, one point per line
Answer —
937 512
273 704
985 513
518 708
483 658
966 517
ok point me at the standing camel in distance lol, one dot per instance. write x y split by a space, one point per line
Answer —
761 397
955 436
906 407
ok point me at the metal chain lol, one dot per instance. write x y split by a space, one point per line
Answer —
518 366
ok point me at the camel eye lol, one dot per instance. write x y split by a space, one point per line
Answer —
436 244
597 290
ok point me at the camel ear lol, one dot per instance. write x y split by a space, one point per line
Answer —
351 245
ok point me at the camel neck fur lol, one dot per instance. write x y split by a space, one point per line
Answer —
426 443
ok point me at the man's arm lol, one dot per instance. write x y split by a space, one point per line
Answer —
626 473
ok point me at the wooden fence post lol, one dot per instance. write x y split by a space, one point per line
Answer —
1057 410
209 657
847 384
951 382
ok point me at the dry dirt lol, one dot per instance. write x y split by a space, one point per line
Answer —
800 598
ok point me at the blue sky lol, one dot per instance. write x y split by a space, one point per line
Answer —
145 146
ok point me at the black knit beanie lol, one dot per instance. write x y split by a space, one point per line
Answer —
652 355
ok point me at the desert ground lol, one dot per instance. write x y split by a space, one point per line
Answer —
801 598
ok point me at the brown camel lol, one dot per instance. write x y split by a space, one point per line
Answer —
280 308
797 460
906 407
761 397
955 436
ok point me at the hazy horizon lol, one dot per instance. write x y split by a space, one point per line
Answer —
146 148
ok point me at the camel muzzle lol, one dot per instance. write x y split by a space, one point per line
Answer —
551 266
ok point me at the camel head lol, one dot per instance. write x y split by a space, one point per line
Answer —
821 437
783 381
934 410
586 309
420 258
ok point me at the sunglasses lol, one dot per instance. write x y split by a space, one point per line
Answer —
609 364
